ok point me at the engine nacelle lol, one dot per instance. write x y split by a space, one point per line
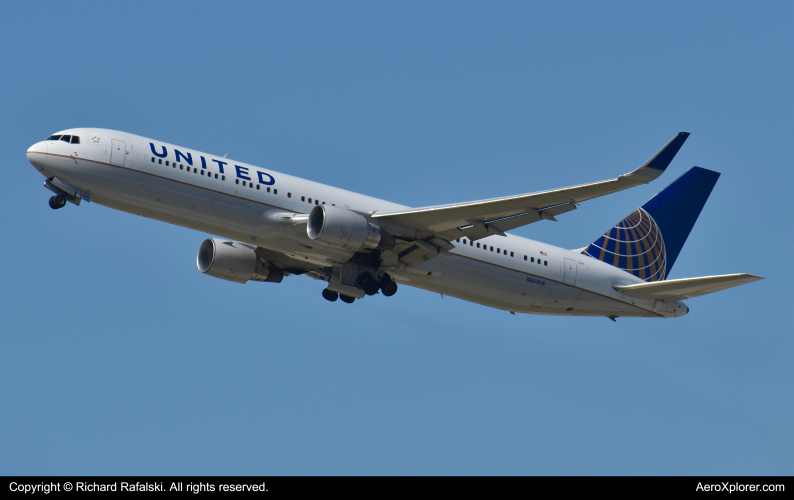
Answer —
235 261
341 228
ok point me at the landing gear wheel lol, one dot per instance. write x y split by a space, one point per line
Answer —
347 299
368 283
330 295
387 285
57 201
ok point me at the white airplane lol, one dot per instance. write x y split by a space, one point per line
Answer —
276 225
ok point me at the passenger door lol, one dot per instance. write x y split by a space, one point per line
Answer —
570 272
118 150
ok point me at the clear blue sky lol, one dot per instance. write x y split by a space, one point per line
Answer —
117 356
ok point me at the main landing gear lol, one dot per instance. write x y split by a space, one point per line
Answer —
387 285
330 295
370 285
57 201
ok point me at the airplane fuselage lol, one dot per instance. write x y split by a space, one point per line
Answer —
250 204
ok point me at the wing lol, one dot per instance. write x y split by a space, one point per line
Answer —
685 288
478 219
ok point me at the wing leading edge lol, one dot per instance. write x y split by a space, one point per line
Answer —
478 219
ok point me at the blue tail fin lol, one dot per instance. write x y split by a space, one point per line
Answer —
647 242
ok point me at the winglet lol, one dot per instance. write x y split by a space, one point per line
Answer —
662 159
656 166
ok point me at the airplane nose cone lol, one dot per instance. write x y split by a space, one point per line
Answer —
37 154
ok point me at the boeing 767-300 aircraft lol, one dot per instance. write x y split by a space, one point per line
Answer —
270 225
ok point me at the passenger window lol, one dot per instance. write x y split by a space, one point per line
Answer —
216 176
268 190
545 263
458 240
166 163
243 183
275 191
533 259
237 181
471 243
152 159
66 138
310 200
257 187
323 203
75 139
525 257
478 245
316 202
492 249
511 254
202 172
497 250
223 177
160 161
195 171
289 195
303 198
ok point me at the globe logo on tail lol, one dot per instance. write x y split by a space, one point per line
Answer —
635 245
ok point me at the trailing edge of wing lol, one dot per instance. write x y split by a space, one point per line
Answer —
456 220
685 288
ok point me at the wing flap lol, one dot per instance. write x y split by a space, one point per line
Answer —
475 230
685 288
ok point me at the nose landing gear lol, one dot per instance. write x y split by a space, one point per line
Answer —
57 201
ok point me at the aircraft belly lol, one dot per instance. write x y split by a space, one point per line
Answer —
501 288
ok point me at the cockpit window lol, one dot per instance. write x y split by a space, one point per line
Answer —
53 137
66 138
75 139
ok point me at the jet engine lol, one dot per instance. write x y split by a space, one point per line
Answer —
235 261
342 228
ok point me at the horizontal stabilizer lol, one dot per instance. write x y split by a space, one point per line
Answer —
685 288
